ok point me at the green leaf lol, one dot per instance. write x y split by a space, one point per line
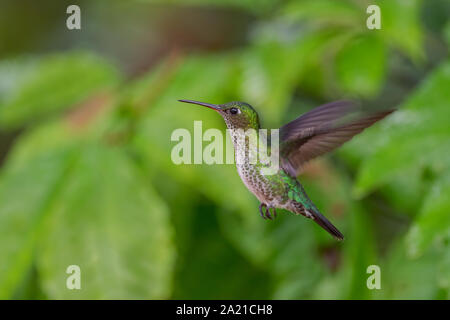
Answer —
111 224
406 278
34 170
414 137
51 84
25 194
433 221
400 18
48 138
397 158
360 65
267 78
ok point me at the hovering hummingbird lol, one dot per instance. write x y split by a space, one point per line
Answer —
314 133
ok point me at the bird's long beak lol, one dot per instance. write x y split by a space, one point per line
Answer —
208 105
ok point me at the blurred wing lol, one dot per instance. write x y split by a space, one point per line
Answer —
320 131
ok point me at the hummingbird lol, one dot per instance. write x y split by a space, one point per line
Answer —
313 134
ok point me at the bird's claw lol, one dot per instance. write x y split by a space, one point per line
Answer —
261 206
265 214
268 213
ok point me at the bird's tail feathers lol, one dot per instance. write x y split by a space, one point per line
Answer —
314 214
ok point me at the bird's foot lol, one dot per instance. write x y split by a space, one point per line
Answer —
264 211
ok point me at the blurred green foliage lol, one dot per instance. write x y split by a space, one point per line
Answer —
89 180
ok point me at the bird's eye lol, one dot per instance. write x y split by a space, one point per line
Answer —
234 110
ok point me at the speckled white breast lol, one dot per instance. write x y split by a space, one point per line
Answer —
250 172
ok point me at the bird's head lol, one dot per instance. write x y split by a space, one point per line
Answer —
237 115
